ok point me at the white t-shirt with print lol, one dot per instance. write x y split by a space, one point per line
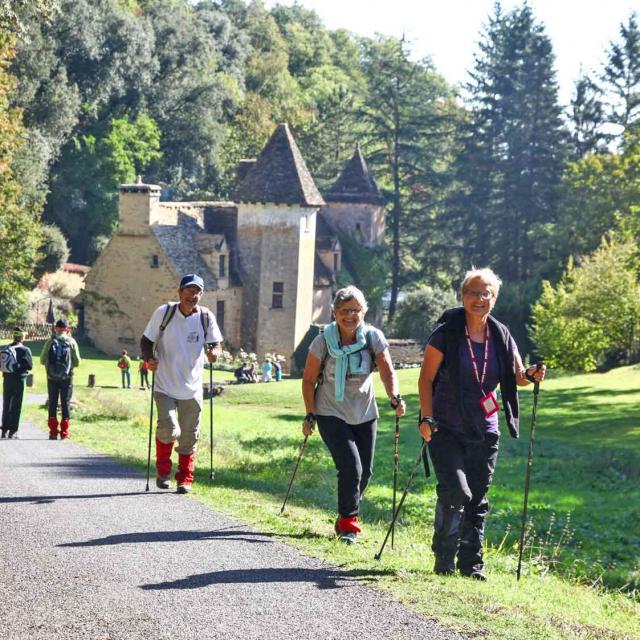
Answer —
180 351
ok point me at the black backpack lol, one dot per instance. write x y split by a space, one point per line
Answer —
59 359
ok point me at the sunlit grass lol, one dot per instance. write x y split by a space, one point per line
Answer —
584 502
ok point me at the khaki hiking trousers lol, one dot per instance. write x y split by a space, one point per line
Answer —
178 420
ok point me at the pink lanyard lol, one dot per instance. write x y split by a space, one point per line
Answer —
473 357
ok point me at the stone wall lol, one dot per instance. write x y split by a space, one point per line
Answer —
405 352
276 243
364 221
123 289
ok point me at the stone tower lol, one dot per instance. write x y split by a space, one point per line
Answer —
355 205
277 202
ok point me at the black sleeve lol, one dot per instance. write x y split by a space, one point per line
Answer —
26 361
146 348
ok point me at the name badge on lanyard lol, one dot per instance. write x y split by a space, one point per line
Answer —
488 402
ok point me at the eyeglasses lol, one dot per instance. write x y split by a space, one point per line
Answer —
346 311
483 295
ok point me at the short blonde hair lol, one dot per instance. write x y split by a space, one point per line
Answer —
349 293
486 274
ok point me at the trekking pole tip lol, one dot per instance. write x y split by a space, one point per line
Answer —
378 556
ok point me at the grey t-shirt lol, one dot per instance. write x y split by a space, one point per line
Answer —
359 404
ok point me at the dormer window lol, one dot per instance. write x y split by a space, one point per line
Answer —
222 266
155 262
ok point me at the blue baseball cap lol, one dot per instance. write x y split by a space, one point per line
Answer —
192 278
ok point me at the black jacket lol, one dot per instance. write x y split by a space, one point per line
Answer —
454 323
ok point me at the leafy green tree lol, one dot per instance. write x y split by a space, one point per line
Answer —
599 193
15 13
95 164
419 310
409 112
621 75
19 223
592 317
53 250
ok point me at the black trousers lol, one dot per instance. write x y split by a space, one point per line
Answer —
12 394
61 389
464 469
352 448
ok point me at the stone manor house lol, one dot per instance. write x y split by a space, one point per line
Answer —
268 260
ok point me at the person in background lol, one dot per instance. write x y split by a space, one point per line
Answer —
124 364
60 356
337 387
267 368
176 341
144 373
277 370
466 358
16 363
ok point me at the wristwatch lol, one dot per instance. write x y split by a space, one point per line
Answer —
310 418
431 421
395 399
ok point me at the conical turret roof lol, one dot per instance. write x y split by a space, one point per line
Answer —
355 183
280 175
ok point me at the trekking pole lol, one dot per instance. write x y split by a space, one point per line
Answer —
395 474
295 470
404 495
153 384
536 390
211 418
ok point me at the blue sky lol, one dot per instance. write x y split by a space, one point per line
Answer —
448 30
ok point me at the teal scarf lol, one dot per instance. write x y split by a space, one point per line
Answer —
346 357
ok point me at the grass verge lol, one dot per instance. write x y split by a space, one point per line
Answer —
581 574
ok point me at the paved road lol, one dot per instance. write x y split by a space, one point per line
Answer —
86 553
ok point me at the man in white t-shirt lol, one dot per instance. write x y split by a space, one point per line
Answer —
174 344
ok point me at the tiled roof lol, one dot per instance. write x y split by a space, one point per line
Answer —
177 243
355 184
279 175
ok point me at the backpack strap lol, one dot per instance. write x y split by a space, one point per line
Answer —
168 316
205 321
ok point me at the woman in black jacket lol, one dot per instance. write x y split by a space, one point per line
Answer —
466 358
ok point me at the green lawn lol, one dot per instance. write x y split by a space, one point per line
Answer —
582 572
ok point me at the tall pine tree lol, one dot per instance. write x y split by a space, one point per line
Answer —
621 76
513 147
409 113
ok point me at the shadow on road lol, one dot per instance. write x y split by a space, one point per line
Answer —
323 578
228 533
86 467
84 496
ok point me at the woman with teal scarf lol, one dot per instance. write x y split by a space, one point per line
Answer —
337 388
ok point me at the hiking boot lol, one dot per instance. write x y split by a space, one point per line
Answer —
64 428
347 529
476 575
13 436
163 482
441 570
184 487
53 428
4 433
348 537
